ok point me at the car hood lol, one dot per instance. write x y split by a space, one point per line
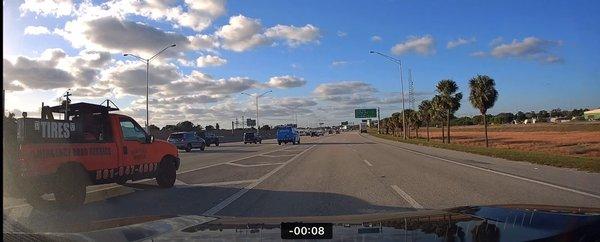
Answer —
471 223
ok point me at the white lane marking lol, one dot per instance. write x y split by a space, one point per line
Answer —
231 161
220 183
254 165
406 197
244 190
368 163
278 155
497 172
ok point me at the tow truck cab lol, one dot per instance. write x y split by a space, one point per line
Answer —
88 146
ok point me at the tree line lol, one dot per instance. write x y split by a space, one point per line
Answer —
441 108
188 126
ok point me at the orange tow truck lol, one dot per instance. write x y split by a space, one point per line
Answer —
88 146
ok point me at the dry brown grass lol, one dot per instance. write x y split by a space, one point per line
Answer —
566 139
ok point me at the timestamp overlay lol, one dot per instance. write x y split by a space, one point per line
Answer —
306 230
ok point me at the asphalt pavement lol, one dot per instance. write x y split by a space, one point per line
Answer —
338 174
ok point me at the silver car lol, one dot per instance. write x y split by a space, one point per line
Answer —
186 141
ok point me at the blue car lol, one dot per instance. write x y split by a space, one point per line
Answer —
288 135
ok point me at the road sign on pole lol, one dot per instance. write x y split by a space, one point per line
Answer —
365 113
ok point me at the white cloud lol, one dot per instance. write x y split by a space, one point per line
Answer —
339 63
496 41
458 42
529 48
341 34
54 69
293 35
376 38
130 77
420 45
36 30
121 36
199 82
210 60
286 81
57 8
294 103
242 33
478 54
341 88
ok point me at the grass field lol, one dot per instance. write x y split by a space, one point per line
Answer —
574 145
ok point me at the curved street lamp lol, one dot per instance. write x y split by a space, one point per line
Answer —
147 77
256 101
399 62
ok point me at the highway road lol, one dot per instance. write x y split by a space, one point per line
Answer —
339 174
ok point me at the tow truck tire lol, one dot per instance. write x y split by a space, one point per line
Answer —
188 148
166 173
260 142
279 142
69 189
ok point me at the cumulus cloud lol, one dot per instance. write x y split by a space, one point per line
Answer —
130 77
529 48
341 34
243 33
36 30
293 35
420 45
375 38
54 69
286 81
478 54
341 88
210 60
458 42
118 36
200 82
294 103
56 8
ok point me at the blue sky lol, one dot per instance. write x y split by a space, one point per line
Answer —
542 54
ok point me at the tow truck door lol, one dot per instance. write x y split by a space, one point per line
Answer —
135 148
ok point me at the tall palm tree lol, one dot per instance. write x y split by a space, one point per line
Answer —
483 96
438 113
450 99
425 114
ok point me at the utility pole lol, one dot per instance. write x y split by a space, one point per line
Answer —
243 122
67 101
232 129
378 122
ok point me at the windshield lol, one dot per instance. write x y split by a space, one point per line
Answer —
127 109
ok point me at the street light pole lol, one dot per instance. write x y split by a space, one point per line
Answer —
256 101
399 62
148 79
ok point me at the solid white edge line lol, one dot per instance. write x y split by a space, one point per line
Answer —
496 172
368 163
406 197
255 165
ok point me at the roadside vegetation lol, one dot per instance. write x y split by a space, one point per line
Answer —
573 144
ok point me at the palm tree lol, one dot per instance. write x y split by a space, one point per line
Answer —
483 96
425 114
438 113
450 99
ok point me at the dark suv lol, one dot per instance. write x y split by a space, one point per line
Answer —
210 138
252 138
186 141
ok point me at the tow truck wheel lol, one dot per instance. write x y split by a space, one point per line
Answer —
69 190
279 142
166 173
188 148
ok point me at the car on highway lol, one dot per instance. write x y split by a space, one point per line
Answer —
288 135
210 138
186 141
88 146
251 137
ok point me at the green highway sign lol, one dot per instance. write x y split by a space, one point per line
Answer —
365 113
